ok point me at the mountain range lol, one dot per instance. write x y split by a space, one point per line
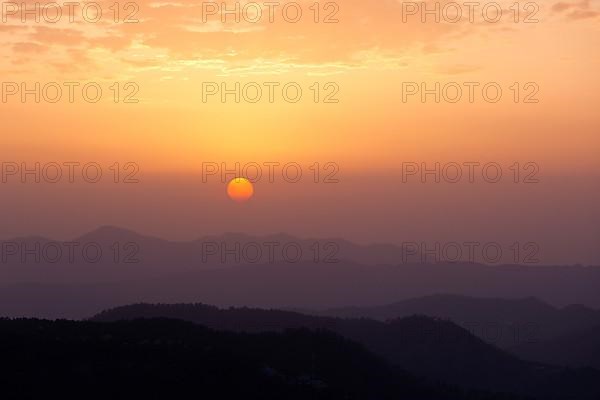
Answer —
426 347
167 271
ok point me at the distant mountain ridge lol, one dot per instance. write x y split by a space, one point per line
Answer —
122 267
212 251
504 322
528 327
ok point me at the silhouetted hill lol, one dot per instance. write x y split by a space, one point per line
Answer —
169 359
503 322
575 349
431 348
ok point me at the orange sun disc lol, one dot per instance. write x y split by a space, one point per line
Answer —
240 189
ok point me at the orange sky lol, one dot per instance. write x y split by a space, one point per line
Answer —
366 58
368 54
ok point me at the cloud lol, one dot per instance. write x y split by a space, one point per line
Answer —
576 11
185 30
28 47
457 69
171 33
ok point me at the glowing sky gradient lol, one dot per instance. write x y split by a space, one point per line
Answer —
368 54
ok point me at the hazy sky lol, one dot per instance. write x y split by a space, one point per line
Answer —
368 120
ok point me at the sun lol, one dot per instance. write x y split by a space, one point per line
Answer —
240 190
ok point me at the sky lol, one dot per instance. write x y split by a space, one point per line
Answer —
362 120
